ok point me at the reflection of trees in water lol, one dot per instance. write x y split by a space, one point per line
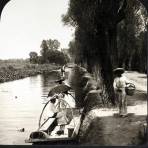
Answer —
48 79
34 79
47 82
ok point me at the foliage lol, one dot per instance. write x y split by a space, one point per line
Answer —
95 36
72 50
131 37
33 57
96 45
44 51
53 44
51 54
13 70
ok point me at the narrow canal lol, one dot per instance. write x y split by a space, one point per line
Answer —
21 102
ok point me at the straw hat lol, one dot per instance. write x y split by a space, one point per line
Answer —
118 71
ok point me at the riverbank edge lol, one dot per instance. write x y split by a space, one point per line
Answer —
12 73
97 130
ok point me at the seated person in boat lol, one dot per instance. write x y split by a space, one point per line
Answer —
59 113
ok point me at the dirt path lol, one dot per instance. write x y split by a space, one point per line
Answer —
104 126
139 79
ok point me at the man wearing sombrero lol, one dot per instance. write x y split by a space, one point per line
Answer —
119 85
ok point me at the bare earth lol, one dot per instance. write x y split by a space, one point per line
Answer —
104 127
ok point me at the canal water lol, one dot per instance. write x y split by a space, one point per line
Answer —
21 102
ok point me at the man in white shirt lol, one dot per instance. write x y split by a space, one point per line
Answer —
119 85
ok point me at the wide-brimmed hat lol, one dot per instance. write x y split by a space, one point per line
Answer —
86 76
118 71
59 89
52 98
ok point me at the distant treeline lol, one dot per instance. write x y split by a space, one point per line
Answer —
49 53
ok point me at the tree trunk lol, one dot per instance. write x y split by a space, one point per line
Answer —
112 33
130 62
105 63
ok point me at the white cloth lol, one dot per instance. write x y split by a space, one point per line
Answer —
62 117
120 93
52 109
61 114
122 79
70 100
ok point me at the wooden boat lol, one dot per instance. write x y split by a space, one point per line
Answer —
47 133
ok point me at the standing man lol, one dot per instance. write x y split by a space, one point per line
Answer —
119 85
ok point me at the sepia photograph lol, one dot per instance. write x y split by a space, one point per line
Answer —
73 72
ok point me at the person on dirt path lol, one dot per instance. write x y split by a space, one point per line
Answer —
119 84
63 71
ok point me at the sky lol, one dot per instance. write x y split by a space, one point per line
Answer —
25 23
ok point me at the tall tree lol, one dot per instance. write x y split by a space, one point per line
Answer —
53 44
44 52
33 57
51 54
131 33
96 23
72 50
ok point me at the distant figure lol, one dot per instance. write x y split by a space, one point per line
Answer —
62 79
119 85
63 71
21 130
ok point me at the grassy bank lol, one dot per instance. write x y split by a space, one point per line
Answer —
18 69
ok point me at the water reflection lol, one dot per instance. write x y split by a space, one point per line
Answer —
20 106
47 81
